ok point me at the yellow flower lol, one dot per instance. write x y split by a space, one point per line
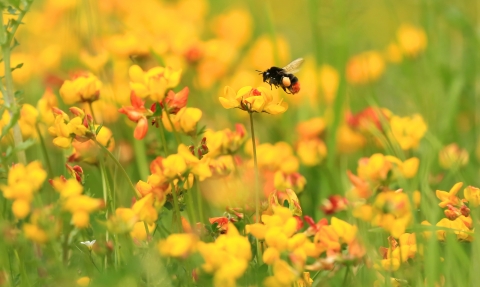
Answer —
83 281
472 194
252 100
139 232
365 67
81 206
154 82
284 273
408 168
348 140
459 228
393 53
408 131
311 152
184 121
45 105
312 128
22 183
35 233
452 156
412 40
450 197
28 121
375 168
83 88
178 245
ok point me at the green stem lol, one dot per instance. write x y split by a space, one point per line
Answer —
199 200
107 198
45 152
177 216
141 158
257 187
163 139
119 165
177 137
93 262
93 113
146 229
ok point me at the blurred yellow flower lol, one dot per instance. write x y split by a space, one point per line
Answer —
83 88
28 120
450 197
311 152
45 105
412 40
83 281
178 245
348 140
365 67
234 26
95 62
329 80
22 183
452 156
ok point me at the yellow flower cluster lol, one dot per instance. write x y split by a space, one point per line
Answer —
227 258
279 232
73 201
153 83
65 129
22 184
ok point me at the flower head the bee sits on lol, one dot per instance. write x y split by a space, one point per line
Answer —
259 100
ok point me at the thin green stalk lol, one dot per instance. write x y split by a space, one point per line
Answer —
93 262
257 187
177 137
141 158
108 201
146 229
45 152
119 165
177 215
163 139
199 200
93 113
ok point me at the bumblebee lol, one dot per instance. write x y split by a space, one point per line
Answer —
283 77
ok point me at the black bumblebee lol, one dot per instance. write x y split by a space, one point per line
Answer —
283 77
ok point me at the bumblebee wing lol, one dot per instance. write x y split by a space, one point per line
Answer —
294 66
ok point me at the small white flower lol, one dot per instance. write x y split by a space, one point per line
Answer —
89 244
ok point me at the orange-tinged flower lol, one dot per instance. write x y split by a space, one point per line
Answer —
137 113
412 40
349 140
368 118
312 128
365 67
176 101
225 142
145 210
154 82
346 232
83 88
450 197
35 233
45 105
252 100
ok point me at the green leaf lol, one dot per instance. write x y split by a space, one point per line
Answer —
158 110
11 10
98 129
157 58
202 130
14 119
15 44
17 67
24 145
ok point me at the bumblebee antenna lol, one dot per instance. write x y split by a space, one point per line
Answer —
259 72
